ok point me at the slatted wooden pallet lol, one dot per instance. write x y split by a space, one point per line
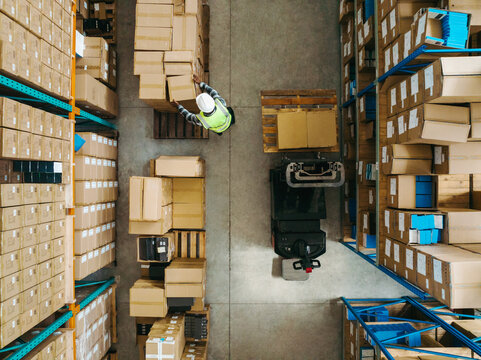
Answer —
190 244
174 126
276 101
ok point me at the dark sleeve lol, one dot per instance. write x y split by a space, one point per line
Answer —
190 117
209 90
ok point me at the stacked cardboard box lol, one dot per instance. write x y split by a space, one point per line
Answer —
171 45
100 21
94 325
166 338
185 278
95 60
95 194
36 44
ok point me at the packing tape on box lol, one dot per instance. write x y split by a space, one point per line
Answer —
160 38
153 86
154 15
156 63
181 87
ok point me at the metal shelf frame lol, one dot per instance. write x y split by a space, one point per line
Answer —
435 322
402 68
24 349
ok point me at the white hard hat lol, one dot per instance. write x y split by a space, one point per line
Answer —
206 103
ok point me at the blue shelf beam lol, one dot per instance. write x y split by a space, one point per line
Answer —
24 349
32 95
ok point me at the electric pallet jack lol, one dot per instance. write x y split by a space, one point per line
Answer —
297 206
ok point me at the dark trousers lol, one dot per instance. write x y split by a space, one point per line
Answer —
232 122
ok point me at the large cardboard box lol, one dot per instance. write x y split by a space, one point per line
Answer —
292 130
11 194
159 227
185 33
9 139
182 88
188 216
153 38
178 166
407 192
147 299
152 87
188 190
147 197
321 128
461 226
179 56
453 80
407 159
458 159
148 62
185 290
438 124
153 15
185 271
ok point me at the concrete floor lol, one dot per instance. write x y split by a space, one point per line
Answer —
255 45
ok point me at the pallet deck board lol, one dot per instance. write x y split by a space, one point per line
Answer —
174 126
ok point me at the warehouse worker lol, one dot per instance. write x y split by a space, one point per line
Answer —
214 113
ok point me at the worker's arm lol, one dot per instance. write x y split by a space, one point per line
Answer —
211 92
190 117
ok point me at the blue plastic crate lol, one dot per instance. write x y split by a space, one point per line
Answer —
374 315
424 201
424 188
387 331
370 241
354 232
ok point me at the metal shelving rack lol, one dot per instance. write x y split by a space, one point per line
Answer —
83 120
430 313
404 67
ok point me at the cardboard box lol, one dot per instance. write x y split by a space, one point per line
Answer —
292 130
407 159
148 62
153 38
8 58
9 140
457 159
152 87
179 56
95 67
460 226
10 331
159 227
153 15
11 240
475 121
411 192
410 263
8 111
147 298
185 290
178 69
182 88
188 216
407 224
188 190
11 218
453 80
321 128
162 247
11 195
147 197
185 33
178 166
438 124
185 271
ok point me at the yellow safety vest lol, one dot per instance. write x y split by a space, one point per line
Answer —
219 121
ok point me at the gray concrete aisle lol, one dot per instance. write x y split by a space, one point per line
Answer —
255 44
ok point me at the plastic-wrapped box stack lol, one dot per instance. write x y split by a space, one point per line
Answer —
171 45
96 194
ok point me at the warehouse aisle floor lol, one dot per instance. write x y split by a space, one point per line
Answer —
255 45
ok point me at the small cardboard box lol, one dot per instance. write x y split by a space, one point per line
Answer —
11 218
181 88
457 159
11 285
178 166
453 80
148 62
461 226
185 271
152 87
188 216
147 299
292 130
9 139
159 227
179 56
406 159
153 38
185 290
11 240
321 128
154 15
185 33
8 111
178 69
11 195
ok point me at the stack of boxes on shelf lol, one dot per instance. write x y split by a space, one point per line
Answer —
98 18
364 20
96 192
36 43
173 265
33 224
95 325
429 157
171 45
96 76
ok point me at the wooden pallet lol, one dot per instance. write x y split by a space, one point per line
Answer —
277 101
190 244
174 126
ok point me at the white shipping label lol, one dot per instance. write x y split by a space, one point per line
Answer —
443 295
413 118
415 84
438 221
361 104
365 222
395 54
371 197
409 259
407 44
400 125
386 218
414 236
346 207
360 168
359 16
393 186
384 28
360 38
384 155
404 91
438 151
387 249
366 29
392 19
429 78
387 59
437 270
422 264
390 129
421 29
401 222
396 252
393 98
